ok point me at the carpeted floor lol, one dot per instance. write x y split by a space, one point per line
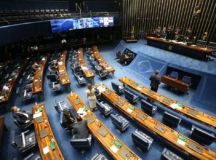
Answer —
147 60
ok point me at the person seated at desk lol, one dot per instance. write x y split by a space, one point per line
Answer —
205 36
80 129
35 66
155 81
21 117
5 92
68 119
52 69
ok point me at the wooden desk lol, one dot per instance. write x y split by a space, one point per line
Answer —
172 104
41 124
2 127
172 137
101 60
11 82
37 83
107 139
187 50
81 60
63 75
175 83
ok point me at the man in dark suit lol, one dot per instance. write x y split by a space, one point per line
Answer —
68 119
21 117
80 129
155 81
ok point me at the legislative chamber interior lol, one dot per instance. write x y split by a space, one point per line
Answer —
107 80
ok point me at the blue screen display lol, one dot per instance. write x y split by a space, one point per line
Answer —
61 25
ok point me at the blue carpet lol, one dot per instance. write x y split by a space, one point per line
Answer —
147 60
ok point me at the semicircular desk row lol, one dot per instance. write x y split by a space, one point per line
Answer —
116 148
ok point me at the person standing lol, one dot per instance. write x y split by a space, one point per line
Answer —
155 81
91 97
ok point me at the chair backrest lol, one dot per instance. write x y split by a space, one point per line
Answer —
186 79
167 154
115 87
53 77
84 143
174 74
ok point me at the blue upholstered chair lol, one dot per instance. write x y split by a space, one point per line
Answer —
104 108
169 155
148 107
174 74
24 141
186 79
81 144
120 122
171 120
132 98
202 136
117 88
142 140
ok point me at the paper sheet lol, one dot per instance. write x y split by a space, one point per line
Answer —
45 150
81 112
101 89
39 114
114 148
129 110
175 106
179 141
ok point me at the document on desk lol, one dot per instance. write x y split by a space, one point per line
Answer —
46 150
81 112
101 89
36 115
114 148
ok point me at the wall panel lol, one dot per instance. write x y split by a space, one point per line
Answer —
146 15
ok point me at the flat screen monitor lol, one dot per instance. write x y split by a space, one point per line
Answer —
61 25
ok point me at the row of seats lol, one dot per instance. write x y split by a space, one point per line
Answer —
185 79
101 72
52 74
25 84
32 11
78 73
140 139
197 134
15 16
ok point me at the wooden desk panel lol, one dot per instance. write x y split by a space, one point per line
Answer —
187 50
37 84
41 123
174 138
63 75
81 60
101 60
106 138
175 83
207 51
2 127
172 104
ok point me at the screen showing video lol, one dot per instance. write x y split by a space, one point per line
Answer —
61 25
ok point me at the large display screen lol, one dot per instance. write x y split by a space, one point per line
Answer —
61 25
